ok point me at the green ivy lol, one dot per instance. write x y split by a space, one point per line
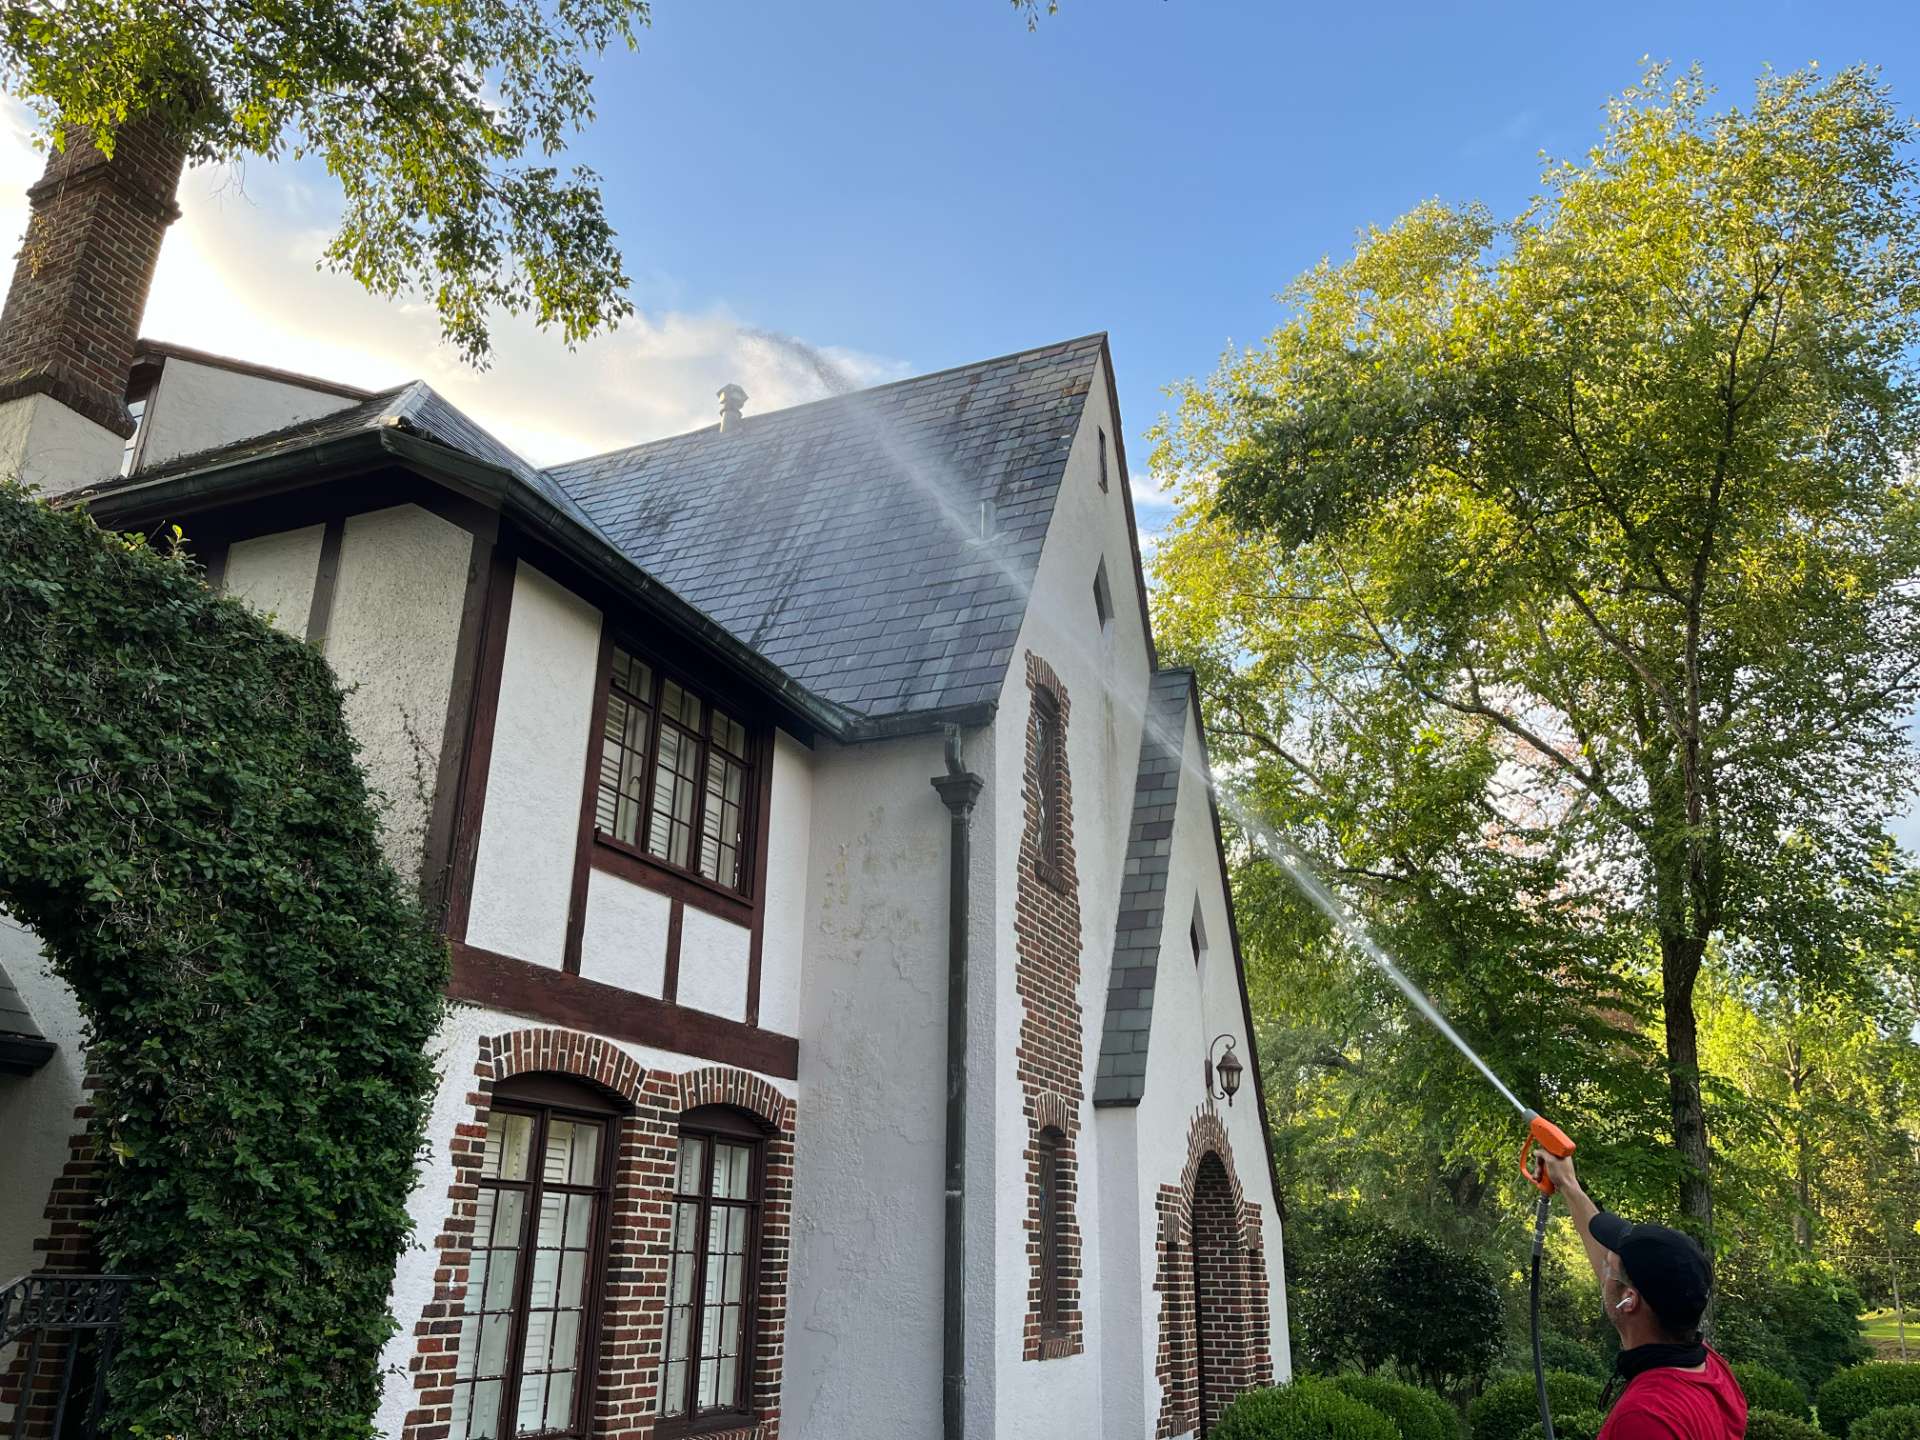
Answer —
184 824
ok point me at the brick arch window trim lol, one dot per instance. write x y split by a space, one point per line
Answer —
1248 1352
1049 1054
634 1277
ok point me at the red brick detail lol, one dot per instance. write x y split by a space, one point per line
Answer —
1048 1058
634 1286
81 278
72 1212
1211 1272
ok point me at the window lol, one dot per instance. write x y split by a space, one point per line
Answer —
523 1358
708 1371
1052 1211
675 774
1103 457
1197 934
1102 598
1047 765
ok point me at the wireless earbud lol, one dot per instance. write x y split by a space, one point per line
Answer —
1623 1302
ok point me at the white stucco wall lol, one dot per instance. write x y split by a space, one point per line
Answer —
276 575
864 1318
624 939
53 448
36 1111
1105 676
391 638
714 954
457 1047
196 407
789 846
1191 1007
523 871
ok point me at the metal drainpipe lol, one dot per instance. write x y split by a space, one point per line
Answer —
958 788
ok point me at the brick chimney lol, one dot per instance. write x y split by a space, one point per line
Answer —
73 312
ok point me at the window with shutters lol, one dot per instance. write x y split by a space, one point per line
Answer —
676 773
525 1347
712 1291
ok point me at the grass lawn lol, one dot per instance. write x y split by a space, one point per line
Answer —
1883 1333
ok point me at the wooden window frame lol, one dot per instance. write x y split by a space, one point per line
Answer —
1052 1164
684 881
543 1097
1049 765
711 1123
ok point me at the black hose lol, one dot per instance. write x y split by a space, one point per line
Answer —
1540 1214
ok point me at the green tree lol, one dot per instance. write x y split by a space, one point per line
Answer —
443 125
1615 492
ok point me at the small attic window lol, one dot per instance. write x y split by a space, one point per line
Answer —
1103 599
1197 934
140 387
1103 456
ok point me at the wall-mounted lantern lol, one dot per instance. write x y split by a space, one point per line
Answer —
1228 1068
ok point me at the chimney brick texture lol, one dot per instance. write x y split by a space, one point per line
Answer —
81 278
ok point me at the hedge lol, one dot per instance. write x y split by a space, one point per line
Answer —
1417 1412
1767 1389
1574 1425
1773 1425
1865 1388
1894 1422
185 827
1506 1408
1304 1410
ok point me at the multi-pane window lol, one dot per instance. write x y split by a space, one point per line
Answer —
522 1365
675 774
708 1367
1050 1218
1046 744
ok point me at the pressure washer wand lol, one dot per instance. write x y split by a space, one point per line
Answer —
1553 1140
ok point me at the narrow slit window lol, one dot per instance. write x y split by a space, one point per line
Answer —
1103 456
1197 934
1102 599
1051 1217
1047 782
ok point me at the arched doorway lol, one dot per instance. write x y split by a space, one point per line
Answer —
1219 1321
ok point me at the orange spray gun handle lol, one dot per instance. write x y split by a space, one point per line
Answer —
1550 1138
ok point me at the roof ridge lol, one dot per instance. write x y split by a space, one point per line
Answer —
1100 335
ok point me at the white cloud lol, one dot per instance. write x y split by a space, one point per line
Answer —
237 276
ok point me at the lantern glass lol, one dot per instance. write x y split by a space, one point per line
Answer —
1230 1068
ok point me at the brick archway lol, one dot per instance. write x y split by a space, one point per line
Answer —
632 1327
1211 1274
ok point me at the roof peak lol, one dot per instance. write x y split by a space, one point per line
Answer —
765 415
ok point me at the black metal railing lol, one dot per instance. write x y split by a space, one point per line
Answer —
61 1331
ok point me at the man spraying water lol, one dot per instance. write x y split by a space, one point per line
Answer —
1655 1283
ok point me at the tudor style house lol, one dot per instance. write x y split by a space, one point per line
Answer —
848 1000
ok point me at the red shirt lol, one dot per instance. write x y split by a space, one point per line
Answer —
1668 1404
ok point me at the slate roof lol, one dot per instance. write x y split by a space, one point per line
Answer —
842 539
1121 1078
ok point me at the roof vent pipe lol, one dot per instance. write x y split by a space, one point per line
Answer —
732 397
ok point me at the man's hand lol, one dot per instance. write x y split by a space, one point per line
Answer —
1560 1170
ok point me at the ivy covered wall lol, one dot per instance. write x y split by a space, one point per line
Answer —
183 823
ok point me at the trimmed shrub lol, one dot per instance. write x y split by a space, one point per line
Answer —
1408 1406
1772 1425
1802 1320
1864 1389
1506 1408
1563 1352
1894 1422
1304 1410
1574 1425
1363 1295
186 828
1767 1389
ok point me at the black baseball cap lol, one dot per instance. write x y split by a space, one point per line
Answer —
1668 1267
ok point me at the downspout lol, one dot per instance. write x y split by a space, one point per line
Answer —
958 788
